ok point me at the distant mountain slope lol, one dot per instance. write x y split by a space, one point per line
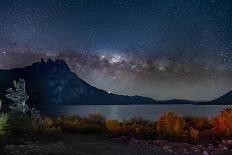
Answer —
176 101
223 100
52 83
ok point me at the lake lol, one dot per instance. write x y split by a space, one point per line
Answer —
150 112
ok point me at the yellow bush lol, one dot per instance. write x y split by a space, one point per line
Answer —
113 125
170 124
193 134
199 123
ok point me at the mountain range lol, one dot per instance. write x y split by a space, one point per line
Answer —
52 83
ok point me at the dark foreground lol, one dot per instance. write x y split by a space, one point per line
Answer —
80 145
77 144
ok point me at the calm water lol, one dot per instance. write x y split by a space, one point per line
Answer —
150 112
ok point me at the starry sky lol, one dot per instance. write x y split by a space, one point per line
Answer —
164 49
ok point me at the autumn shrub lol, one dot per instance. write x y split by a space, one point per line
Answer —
213 122
113 126
68 123
63 120
170 125
199 123
223 124
76 124
126 127
193 134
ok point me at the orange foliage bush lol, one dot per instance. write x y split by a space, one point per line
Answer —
170 125
113 125
199 123
223 124
193 134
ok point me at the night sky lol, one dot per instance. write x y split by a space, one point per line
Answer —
163 49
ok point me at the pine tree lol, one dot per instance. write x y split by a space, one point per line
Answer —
18 96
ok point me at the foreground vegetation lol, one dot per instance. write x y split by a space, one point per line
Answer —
169 126
23 122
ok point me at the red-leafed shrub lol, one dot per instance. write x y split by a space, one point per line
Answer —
223 124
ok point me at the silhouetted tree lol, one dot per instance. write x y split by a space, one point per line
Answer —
18 96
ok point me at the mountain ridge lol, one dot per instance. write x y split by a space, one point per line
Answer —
53 83
225 99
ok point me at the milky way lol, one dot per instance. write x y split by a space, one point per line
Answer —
160 49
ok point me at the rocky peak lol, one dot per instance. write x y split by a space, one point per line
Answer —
51 65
